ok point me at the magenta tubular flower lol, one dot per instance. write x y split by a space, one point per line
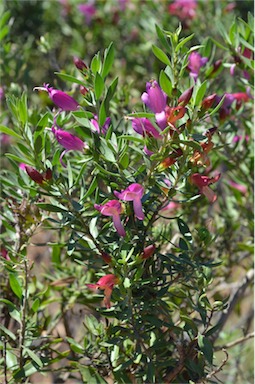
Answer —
133 193
104 128
202 183
196 61
68 141
144 127
61 99
241 188
112 208
105 283
155 99
88 10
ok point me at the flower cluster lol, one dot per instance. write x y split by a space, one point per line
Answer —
113 208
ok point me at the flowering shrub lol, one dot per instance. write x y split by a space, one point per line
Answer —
148 212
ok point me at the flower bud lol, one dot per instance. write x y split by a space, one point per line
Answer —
148 251
185 97
79 64
48 174
83 90
107 258
208 102
34 174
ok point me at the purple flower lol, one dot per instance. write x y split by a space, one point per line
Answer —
61 99
196 61
68 141
88 10
133 193
104 128
155 99
144 127
1 93
112 208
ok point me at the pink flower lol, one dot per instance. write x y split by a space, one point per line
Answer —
155 99
225 109
241 188
170 208
88 10
105 283
144 127
133 193
1 93
4 254
202 183
112 208
61 99
68 141
183 9
239 137
196 61
104 128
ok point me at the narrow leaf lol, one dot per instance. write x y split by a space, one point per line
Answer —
161 55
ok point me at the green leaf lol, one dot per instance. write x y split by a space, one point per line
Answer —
110 92
15 285
142 114
102 115
11 360
124 160
184 229
35 305
38 146
163 39
165 83
22 108
108 60
33 356
161 55
4 18
7 332
99 86
51 208
183 42
10 132
76 347
43 122
200 93
91 376
96 63
107 152
19 159
69 78
91 189
206 347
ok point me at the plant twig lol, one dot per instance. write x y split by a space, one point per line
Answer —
213 373
23 320
235 342
236 295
